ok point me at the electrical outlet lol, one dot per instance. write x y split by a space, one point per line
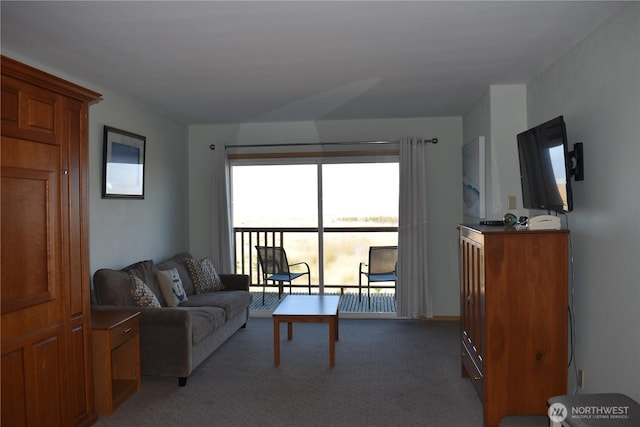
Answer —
512 202
580 378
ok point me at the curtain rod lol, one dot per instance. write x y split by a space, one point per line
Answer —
311 144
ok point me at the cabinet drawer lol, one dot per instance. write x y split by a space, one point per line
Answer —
470 349
476 375
123 332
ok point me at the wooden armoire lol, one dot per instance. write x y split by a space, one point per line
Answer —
514 317
45 298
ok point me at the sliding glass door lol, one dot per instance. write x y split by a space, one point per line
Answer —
359 201
326 212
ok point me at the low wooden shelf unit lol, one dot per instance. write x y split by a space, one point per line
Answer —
116 358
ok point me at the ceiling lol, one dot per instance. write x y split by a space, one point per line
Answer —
236 62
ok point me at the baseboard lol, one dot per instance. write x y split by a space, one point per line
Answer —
447 318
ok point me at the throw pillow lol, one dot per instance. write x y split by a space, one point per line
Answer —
204 276
141 294
171 287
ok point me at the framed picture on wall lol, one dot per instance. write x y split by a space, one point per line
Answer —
123 164
473 178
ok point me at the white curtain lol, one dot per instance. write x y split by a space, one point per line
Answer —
221 242
413 299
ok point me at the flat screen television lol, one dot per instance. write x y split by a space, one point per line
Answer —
546 167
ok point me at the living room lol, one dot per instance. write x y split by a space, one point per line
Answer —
594 84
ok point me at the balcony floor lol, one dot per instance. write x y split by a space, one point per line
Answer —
382 305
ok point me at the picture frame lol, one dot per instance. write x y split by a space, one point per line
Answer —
123 165
473 178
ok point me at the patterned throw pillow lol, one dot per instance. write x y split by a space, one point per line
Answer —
141 294
171 287
204 276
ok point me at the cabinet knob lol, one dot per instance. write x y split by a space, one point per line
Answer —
65 172
469 299
126 331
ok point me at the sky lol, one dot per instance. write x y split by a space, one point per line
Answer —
288 193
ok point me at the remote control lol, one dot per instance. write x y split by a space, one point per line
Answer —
493 222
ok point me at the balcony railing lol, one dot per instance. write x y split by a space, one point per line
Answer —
343 249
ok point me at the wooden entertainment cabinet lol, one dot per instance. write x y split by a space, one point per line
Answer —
514 317
45 286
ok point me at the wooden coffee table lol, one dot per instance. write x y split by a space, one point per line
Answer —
306 308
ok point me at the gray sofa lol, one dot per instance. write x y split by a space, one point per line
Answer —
174 340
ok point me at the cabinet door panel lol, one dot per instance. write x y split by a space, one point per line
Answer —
29 111
472 303
14 399
32 210
76 174
45 405
78 373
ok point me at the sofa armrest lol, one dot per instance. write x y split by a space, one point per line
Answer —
235 282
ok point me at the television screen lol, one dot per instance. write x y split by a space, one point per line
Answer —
545 168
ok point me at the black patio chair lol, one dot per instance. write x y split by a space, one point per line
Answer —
383 262
275 267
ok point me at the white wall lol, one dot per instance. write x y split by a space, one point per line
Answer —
499 115
508 119
125 231
444 180
596 86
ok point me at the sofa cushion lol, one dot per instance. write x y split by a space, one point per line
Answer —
232 302
141 293
205 320
171 287
146 271
112 287
204 275
178 261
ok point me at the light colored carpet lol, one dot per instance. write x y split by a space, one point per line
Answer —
387 373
